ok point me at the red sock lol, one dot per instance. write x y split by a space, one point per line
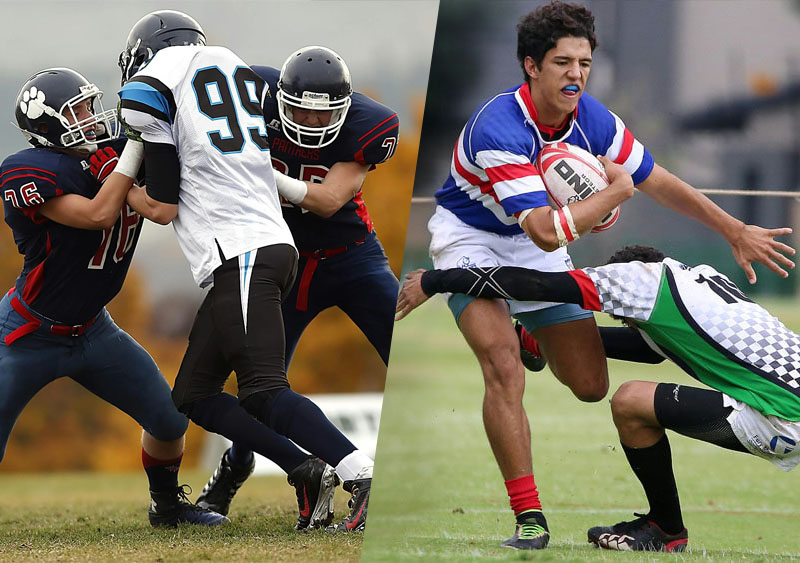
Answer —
522 494
162 473
529 343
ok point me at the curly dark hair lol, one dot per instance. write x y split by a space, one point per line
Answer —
539 30
636 253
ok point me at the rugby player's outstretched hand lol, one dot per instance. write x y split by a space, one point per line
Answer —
756 244
411 295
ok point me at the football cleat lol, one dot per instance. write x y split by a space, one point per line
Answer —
173 507
226 480
315 482
357 519
641 534
531 532
529 349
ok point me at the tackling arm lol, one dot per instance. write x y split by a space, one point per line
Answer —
342 182
503 282
101 211
750 243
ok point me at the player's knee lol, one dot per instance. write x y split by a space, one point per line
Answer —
625 403
260 404
502 367
591 391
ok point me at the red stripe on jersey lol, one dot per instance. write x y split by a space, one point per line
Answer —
30 213
378 125
3 183
361 210
485 187
27 168
359 156
627 146
35 278
506 172
591 299
562 218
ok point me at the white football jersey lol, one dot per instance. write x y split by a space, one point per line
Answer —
207 102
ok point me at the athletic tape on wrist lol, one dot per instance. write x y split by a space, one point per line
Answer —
130 159
564 226
293 190
522 216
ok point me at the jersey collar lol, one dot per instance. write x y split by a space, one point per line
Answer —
523 97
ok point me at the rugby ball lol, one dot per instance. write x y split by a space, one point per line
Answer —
571 174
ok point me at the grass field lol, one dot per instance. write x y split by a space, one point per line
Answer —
103 517
438 495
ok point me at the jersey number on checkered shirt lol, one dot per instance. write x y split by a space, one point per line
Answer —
216 101
726 289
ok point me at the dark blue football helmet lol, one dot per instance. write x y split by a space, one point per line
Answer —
155 31
313 78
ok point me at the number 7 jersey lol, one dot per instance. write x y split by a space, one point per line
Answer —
207 103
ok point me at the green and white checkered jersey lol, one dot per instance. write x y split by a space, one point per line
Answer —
699 319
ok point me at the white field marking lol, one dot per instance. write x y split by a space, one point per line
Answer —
684 509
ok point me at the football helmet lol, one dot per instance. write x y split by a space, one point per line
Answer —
47 111
313 78
155 31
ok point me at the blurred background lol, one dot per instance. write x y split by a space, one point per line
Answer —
712 89
387 46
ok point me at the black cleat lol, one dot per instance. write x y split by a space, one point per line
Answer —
173 507
357 519
315 482
531 532
226 480
529 350
641 534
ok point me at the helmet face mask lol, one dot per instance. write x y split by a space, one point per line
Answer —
317 79
155 31
48 111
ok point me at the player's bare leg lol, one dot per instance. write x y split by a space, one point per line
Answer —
492 338
634 414
585 373
648 452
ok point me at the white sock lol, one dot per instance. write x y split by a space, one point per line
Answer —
355 465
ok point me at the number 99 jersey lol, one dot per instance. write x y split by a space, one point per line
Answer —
207 103
369 136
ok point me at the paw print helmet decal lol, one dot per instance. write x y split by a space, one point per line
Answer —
58 107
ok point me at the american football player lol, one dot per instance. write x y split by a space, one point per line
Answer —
198 110
64 200
328 137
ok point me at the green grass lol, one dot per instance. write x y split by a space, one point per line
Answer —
103 517
438 495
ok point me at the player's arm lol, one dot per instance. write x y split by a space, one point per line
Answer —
551 228
340 185
503 282
158 199
116 173
750 243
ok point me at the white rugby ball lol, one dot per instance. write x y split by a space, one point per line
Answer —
571 174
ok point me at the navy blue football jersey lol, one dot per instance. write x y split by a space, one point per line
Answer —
68 274
369 136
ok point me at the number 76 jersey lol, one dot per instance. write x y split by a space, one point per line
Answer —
700 320
208 103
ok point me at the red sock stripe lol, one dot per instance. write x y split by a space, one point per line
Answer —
150 461
522 494
529 343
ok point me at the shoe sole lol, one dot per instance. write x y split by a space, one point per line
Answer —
322 515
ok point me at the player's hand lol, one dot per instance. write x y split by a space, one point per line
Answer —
756 244
411 295
102 163
618 177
